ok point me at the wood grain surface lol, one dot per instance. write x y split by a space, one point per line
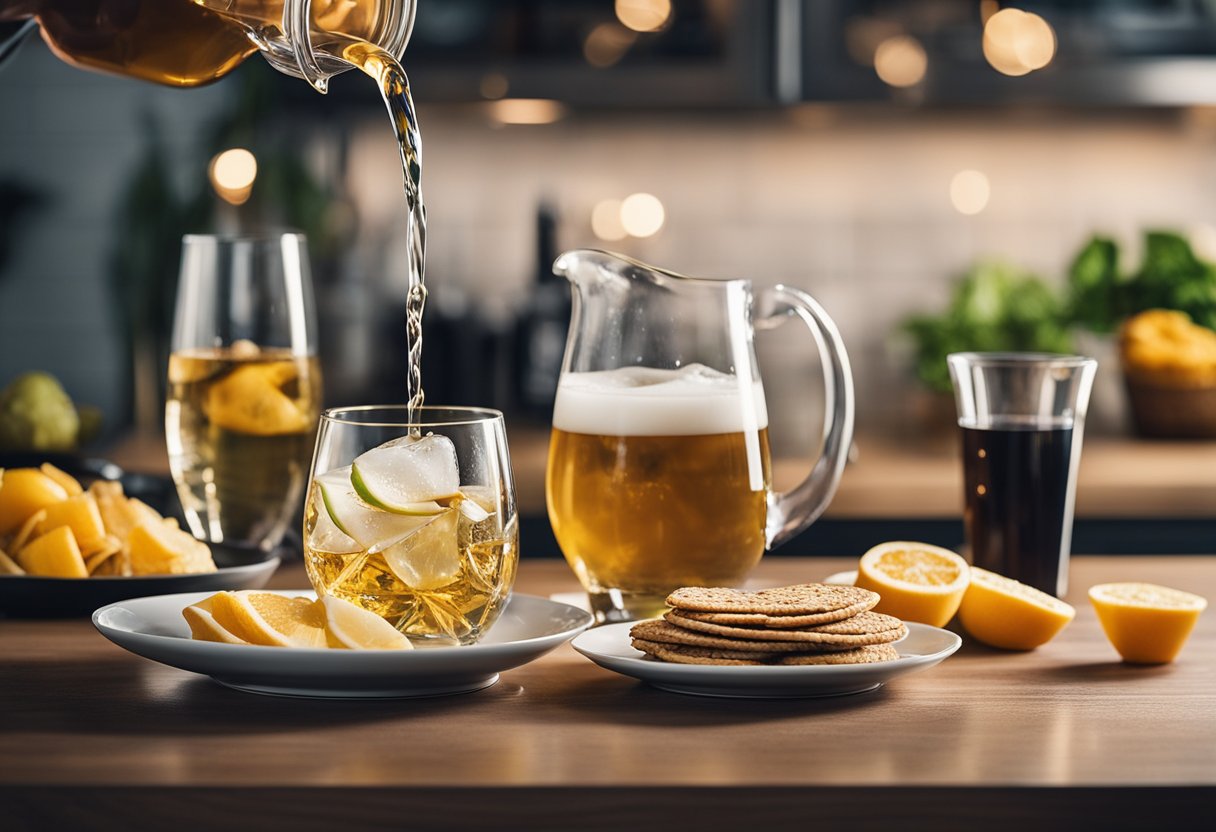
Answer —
93 737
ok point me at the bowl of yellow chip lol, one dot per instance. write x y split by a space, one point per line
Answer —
1169 364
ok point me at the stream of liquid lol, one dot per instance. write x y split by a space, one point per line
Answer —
395 89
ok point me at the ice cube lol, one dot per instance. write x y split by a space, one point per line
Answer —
429 558
370 527
405 472
325 535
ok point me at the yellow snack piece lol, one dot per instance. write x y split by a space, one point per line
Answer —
79 513
8 566
917 582
203 625
1146 623
26 533
116 513
270 619
1005 613
23 492
69 483
55 555
157 549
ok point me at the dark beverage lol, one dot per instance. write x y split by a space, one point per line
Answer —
1018 511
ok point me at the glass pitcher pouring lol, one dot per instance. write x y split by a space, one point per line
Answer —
659 470
186 43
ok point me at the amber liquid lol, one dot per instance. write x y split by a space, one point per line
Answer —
240 425
175 42
642 515
182 43
459 572
395 89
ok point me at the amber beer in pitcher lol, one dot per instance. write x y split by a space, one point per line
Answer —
659 459
658 479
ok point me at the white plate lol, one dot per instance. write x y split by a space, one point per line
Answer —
609 647
154 628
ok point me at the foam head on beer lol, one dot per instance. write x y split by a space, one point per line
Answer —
694 400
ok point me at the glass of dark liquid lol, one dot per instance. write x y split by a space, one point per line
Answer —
1022 416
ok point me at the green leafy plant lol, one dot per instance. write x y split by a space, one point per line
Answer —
995 307
1171 276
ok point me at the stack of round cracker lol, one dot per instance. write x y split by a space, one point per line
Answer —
790 625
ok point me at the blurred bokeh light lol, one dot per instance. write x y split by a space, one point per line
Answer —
606 44
526 111
643 15
642 215
232 173
901 61
970 191
1018 42
606 221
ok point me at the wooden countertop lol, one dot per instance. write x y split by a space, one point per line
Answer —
1063 737
910 477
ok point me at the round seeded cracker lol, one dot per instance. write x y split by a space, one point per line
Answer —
782 622
668 633
800 599
864 628
860 655
687 654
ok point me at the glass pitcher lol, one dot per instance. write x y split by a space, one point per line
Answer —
186 43
659 472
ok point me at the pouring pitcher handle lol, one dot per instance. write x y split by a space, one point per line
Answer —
792 511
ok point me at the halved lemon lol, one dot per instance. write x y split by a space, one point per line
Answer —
270 619
917 582
1005 613
1146 623
352 627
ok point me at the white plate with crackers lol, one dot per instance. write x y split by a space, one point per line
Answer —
808 640
527 628
609 647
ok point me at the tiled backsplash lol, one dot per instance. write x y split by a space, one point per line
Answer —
853 207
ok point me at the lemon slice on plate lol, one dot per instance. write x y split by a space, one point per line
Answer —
270 619
1146 623
917 582
1002 612
352 627
204 627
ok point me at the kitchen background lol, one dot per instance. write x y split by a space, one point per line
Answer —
869 152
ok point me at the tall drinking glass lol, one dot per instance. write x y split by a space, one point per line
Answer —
414 520
244 386
1022 417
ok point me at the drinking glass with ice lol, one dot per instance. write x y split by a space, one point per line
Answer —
414 521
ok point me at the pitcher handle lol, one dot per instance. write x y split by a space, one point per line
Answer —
792 511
